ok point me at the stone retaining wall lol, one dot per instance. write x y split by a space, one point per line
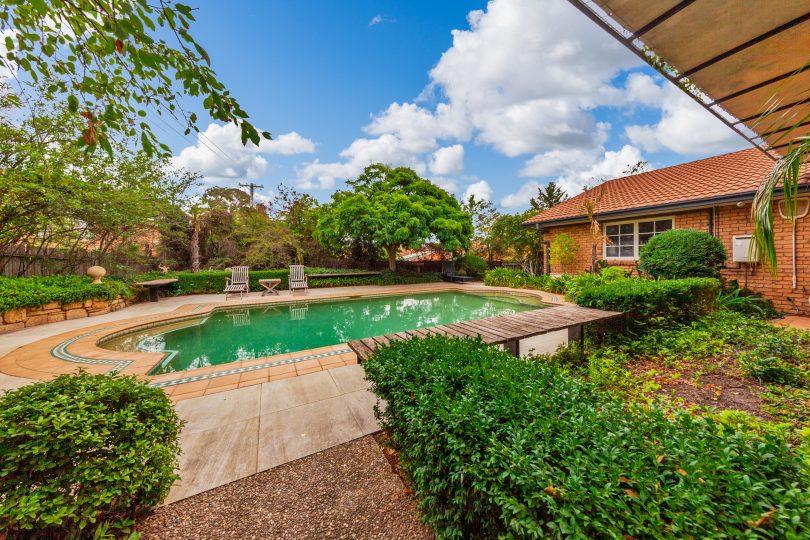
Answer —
17 319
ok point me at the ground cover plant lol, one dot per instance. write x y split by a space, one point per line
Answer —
584 465
35 292
82 453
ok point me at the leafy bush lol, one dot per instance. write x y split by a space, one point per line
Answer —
472 265
213 281
35 292
518 279
81 450
777 357
682 253
747 302
563 250
641 300
575 285
500 447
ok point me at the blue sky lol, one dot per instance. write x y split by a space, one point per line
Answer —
487 98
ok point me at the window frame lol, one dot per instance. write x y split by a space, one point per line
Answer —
636 247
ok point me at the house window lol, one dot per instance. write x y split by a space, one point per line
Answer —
623 240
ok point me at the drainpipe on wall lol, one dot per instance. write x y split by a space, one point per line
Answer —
711 221
547 263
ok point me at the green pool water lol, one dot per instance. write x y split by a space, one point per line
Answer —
232 335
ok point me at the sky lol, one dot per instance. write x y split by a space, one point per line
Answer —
487 98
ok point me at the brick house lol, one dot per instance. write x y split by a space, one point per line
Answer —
713 195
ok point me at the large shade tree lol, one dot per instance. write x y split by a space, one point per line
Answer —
391 208
113 63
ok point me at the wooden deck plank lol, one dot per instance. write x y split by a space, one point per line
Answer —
499 330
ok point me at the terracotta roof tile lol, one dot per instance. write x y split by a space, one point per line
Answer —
729 174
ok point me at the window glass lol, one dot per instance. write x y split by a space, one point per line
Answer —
620 239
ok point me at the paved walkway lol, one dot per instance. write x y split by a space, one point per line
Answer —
794 321
240 432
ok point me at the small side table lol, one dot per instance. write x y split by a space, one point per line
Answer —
269 285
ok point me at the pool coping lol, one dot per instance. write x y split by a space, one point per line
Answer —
69 351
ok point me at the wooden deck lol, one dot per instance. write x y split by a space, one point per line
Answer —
506 330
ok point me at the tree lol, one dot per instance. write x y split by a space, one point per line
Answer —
636 168
484 214
90 207
547 198
392 208
522 243
108 61
786 173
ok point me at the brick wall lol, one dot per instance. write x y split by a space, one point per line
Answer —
729 221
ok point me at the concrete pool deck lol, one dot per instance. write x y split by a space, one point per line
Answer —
237 424
43 352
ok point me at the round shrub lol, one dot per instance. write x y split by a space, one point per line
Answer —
473 265
681 253
83 450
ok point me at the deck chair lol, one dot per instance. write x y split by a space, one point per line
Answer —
298 280
449 273
238 282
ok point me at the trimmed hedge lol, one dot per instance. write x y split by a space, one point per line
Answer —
35 292
682 253
82 450
641 299
497 447
213 281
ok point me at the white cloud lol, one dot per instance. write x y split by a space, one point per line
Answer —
287 144
522 79
574 170
481 189
379 19
448 160
685 127
521 197
219 154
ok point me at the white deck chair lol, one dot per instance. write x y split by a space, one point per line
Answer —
298 280
238 282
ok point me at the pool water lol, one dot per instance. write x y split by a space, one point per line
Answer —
242 334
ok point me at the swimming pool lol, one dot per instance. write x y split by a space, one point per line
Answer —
230 335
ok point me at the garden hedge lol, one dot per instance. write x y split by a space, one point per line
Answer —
682 253
213 281
642 299
498 447
82 450
37 291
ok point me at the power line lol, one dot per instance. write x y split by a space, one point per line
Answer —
252 187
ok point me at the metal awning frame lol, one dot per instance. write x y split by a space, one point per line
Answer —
632 40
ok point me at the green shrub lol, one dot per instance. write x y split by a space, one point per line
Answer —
517 279
213 281
576 284
563 250
777 358
682 253
37 291
497 447
472 265
81 450
747 302
642 300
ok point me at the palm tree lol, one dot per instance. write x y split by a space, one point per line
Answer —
786 173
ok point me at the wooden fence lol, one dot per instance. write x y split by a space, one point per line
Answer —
21 263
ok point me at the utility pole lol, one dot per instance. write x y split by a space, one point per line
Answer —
251 186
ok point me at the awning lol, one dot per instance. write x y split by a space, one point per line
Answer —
737 58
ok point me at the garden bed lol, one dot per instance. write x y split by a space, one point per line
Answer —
348 491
